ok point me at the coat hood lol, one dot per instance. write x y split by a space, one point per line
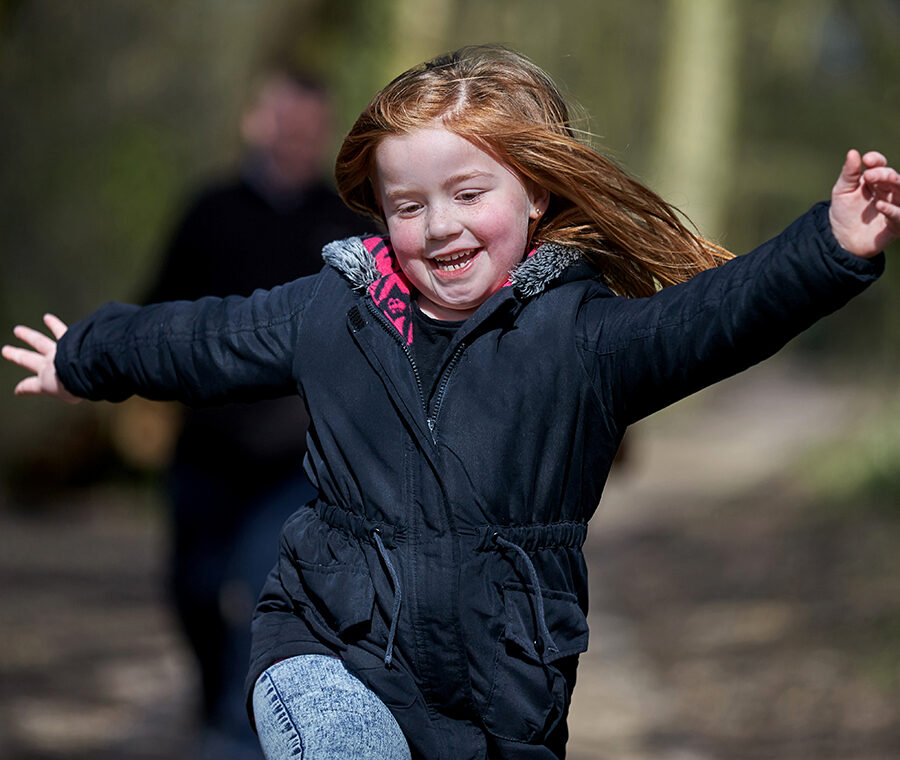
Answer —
368 263
365 260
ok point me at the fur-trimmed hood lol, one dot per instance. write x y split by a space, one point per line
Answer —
364 260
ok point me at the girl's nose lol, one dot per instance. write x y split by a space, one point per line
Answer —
442 222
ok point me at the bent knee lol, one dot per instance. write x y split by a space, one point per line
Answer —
316 710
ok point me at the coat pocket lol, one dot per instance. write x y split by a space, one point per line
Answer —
530 690
324 572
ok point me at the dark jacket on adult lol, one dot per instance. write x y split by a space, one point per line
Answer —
235 474
442 560
235 237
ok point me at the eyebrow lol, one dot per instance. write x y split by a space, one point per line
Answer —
453 179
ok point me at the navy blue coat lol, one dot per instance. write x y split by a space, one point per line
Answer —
442 560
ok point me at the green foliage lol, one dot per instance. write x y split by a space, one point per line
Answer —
878 651
136 175
114 112
860 471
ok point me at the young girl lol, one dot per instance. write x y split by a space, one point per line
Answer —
469 378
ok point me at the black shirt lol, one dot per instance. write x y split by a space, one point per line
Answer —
430 340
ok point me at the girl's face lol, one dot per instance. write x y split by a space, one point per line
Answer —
458 219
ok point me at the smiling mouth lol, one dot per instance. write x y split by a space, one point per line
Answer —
455 261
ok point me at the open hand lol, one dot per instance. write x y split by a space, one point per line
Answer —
45 381
865 204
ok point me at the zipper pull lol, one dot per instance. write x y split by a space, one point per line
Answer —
430 422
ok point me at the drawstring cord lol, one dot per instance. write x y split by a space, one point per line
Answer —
398 595
538 597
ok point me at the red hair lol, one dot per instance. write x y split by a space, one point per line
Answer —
507 106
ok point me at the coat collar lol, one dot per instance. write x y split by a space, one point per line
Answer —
368 263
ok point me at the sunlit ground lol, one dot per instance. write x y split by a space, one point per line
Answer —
731 617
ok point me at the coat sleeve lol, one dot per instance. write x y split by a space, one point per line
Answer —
200 352
645 353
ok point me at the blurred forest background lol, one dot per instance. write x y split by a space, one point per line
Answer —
739 112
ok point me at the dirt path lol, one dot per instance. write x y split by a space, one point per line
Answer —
727 620
91 664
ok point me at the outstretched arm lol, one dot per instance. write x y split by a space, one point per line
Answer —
865 204
651 352
209 351
44 381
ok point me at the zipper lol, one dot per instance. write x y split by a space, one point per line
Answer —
394 333
445 379
431 416
438 400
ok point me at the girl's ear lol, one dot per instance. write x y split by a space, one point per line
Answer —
540 199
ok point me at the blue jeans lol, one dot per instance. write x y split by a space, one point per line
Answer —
312 708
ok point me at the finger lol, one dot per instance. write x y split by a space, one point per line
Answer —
37 340
890 210
851 171
24 358
882 174
874 158
30 386
56 325
882 185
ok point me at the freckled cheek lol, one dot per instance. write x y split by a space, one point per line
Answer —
413 267
502 223
406 240
408 250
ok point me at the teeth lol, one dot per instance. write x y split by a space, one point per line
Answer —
446 263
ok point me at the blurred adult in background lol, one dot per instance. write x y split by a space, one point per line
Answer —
236 473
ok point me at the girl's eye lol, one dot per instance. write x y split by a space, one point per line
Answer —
408 209
468 196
